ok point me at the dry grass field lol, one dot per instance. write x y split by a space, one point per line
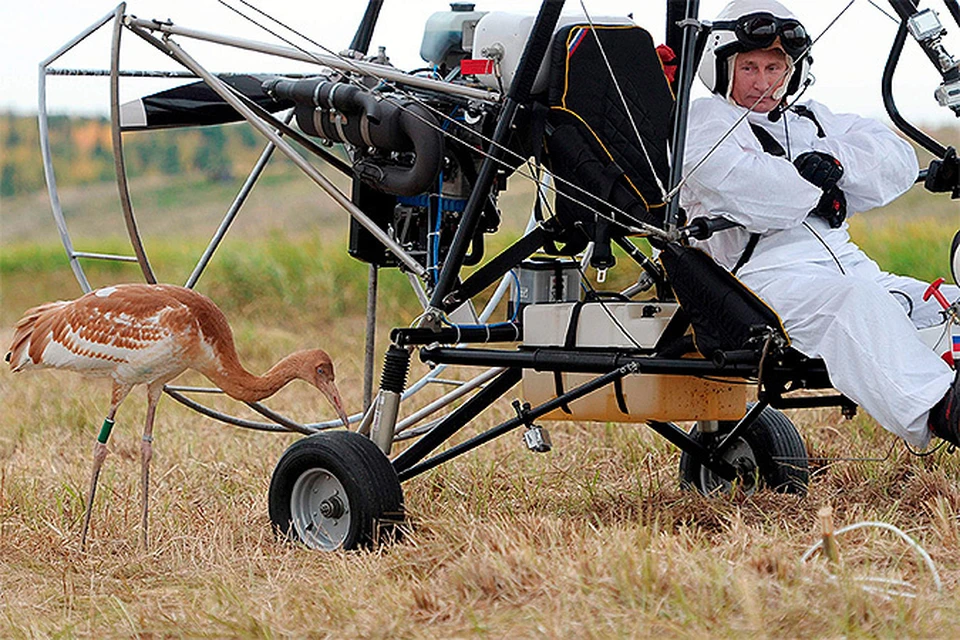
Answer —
592 540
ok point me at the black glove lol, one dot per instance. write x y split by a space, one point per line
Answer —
832 207
820 169
943 176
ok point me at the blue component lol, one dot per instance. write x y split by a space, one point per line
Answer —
446 204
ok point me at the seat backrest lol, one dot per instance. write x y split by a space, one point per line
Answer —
601 100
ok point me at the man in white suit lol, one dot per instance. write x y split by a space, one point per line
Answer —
790 176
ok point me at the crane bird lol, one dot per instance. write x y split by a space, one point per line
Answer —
149 334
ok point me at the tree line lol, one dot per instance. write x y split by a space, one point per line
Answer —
82 150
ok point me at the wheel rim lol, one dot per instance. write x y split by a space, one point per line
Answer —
741 456
320 510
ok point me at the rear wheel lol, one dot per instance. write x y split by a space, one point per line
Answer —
770 453
335 490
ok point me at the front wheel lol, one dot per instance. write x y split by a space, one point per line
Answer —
769 453
335 490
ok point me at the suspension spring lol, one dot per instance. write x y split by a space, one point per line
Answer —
396 365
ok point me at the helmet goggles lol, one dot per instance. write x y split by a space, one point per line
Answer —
761 30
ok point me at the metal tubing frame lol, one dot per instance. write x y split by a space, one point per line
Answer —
457 393
48 171
233 210
225 92
745 422
954 8
584 361
886 90
341 64
685 84
126 204
410 463
701 454
369 346
456 420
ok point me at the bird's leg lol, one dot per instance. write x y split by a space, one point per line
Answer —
99 453
146 453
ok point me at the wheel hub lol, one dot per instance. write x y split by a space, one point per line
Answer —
332 507
742 458
320 509
746 472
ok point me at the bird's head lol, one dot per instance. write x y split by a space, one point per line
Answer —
317 369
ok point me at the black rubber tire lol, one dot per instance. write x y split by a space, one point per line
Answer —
373 499
777 449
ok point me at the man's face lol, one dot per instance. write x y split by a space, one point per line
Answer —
758 73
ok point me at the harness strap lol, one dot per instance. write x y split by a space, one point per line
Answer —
569 341
805 112
621 398
770 145
767 141
747 252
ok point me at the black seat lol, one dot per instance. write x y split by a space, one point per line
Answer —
605 173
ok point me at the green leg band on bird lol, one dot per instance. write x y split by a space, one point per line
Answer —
105 431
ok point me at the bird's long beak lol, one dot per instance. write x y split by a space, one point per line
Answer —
329 389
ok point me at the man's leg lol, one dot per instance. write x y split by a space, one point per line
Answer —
870 347
908 291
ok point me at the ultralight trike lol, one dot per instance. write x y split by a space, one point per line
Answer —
583 106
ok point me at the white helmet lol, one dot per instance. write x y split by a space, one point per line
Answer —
747 25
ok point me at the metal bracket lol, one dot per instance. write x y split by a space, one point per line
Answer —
692 22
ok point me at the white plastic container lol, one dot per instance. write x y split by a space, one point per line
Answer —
449 34
507 32
647 396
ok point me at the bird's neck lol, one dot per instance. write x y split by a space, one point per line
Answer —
240 384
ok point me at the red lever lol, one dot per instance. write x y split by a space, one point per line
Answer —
934 290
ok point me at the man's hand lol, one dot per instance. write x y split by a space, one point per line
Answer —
943 176
832 207
820 169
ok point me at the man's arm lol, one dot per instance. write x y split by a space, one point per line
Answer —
739 181
878 165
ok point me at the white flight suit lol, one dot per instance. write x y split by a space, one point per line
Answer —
834 301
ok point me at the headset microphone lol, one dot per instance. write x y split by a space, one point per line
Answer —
777 112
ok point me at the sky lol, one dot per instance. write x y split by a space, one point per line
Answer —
848 59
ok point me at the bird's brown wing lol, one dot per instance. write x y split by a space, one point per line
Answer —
135 325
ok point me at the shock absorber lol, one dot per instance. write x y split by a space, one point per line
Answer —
393 380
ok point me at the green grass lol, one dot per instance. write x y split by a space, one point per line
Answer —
919 247
274 277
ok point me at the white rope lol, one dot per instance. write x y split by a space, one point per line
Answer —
888 527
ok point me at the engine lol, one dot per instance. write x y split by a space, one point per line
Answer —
415 156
